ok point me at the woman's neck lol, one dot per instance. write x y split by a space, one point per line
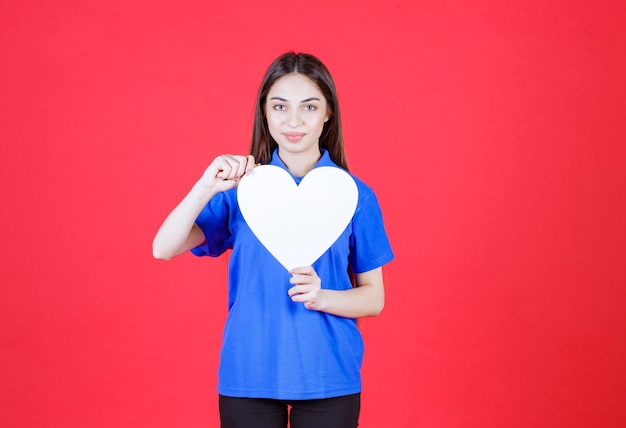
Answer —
300 164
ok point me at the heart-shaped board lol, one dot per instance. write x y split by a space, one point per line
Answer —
297 223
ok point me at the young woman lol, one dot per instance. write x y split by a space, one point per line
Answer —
291 348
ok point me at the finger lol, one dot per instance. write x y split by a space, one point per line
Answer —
302 297
223 170
250 165
242 162
222 166
302 270
296 290
235 165
301 280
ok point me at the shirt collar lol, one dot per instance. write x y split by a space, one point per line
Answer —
325 160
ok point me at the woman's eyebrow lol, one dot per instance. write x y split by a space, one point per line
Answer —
303 101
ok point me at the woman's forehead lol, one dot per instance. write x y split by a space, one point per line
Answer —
295 87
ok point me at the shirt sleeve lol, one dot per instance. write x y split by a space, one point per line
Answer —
213 221
369 245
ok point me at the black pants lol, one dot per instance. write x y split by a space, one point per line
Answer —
336 412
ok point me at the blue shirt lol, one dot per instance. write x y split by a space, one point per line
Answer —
273 347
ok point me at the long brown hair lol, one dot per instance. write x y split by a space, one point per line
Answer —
331 139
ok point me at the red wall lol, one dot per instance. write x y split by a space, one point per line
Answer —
492 132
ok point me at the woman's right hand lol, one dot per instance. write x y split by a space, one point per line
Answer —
225 172
179 233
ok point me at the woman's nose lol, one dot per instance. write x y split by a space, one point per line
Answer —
294 118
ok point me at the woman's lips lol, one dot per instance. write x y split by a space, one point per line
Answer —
294 136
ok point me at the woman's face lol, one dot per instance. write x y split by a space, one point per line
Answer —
296 111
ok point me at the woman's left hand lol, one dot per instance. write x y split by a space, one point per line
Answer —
307 287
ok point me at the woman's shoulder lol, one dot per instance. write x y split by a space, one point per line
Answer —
366 192
361 184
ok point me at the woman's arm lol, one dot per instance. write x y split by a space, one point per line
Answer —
179 233
365 300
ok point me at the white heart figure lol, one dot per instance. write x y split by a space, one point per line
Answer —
297 223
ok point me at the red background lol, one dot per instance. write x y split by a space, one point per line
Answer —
492 132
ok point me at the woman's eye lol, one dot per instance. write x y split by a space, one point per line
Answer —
279 107
310 107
